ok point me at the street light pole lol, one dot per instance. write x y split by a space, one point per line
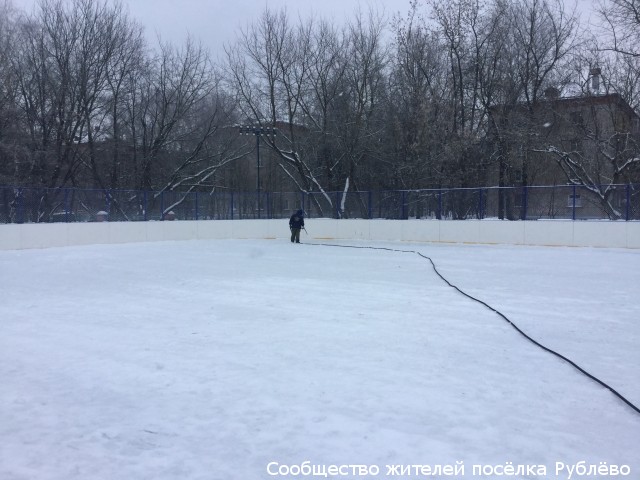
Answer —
258 131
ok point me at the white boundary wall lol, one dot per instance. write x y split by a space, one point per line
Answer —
618 234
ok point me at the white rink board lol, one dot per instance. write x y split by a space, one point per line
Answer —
541 233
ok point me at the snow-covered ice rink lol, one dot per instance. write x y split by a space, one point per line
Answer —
210 360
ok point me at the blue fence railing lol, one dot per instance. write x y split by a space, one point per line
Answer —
33 205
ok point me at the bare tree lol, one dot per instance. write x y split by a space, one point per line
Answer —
474 39
362 105
417 122
544 35
606 156
451 70
46 73
12 151
601 145
622 19
85 101
173 89
62 65
616 47
541 38
326 66
209 143
269 69
125 65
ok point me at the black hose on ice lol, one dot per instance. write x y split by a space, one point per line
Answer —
553 352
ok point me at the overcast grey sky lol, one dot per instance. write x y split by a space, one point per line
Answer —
215 22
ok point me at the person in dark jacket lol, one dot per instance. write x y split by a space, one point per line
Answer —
296 223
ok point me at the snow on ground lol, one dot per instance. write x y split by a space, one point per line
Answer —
211 359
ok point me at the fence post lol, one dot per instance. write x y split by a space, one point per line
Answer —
338 205
403 212
573 215
66 205
439 215
232 206
307 195
269 209
628 212
480 210
525 201
20 207
370 204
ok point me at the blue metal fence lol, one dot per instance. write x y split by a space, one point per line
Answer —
33 205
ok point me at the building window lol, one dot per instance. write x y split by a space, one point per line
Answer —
570 199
